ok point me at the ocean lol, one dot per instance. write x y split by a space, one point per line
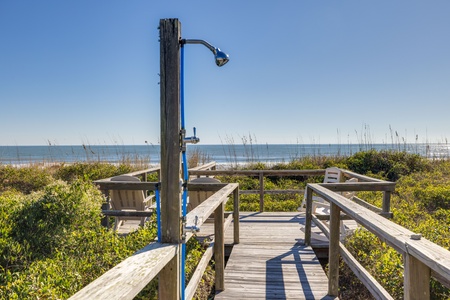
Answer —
222 154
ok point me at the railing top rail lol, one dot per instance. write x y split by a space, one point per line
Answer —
193 186
258 172
204 166
129 277
435 257
140 172
360 177
126 185
360 186
135 173
158 168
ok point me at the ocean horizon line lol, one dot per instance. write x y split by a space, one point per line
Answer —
237 144
221 153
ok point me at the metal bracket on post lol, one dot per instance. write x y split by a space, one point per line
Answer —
194 228
185 140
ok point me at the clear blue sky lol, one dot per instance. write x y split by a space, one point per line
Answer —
84 71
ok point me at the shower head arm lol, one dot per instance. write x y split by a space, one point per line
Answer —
205 43
220 56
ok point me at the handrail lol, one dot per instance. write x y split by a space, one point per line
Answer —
126 185
207 166
364 178
317 172
135 173
366 183
422 257
129 277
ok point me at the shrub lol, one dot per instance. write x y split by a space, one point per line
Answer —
390 164
25 179
91 171
52 243
44 222
383 262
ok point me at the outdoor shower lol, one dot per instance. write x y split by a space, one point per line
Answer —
221 59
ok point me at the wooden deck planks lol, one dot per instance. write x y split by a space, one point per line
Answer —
271 261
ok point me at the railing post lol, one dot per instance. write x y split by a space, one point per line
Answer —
261 191
386 205
144 178
105 206
333 260
170 193
219 248
308 220
416 279
236 215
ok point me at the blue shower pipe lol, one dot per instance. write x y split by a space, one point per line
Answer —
158 213
185 176
185 180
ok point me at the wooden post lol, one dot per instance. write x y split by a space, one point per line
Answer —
219 248
416 279
170 33
308 220
144 178
105 206
386 205
333 260
261 191
236 215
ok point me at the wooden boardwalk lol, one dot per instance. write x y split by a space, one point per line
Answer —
271 262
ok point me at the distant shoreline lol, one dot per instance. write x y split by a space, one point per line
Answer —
222 154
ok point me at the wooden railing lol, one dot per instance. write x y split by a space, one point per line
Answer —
422 258
106 185
378 185
128 278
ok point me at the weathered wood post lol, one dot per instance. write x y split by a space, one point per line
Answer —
308 221
236 215
105 206
219 249
333 255
261 191
416 279
386 205
170 33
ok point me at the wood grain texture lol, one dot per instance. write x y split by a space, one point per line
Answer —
170 33
271 262
219 249
416 279
333 256
128 278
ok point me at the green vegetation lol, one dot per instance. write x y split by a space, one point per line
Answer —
51 240
52 243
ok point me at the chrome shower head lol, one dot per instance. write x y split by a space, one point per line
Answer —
220 56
